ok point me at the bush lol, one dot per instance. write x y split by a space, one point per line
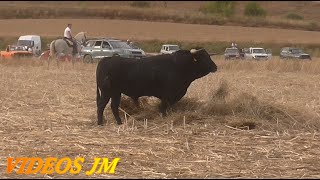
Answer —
254 9
294 16
313 26
141 4
223 8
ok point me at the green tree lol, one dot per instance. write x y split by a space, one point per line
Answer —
254 9
223 8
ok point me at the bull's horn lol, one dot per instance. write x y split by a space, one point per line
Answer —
193 51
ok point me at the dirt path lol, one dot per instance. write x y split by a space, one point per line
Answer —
140 30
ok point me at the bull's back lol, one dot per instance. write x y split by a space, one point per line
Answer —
115 69
133 77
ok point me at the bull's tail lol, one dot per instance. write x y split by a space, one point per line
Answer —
98 95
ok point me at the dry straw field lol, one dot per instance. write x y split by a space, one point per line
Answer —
248 120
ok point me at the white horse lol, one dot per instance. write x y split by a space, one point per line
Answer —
59 48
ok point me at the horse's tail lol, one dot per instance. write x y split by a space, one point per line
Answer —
52 48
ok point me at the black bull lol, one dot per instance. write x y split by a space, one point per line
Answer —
166 77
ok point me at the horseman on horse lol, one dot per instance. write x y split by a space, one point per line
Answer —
67 36
68 47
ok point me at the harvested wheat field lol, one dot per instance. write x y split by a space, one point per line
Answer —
140 30
248 120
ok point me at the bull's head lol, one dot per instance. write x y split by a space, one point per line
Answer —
195 62
202 62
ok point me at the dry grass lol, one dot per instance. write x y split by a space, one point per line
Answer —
240 122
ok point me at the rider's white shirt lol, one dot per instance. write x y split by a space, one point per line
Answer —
66 34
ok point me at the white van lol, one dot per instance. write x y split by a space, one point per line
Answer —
31 41
169 48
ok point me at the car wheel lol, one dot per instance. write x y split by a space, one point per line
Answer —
87 59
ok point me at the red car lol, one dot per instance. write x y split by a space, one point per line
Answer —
15 52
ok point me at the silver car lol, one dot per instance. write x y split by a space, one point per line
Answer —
100 48
231 53
293 53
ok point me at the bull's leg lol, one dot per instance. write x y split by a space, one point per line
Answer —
136 101
101 104
163 107
178 97
115 102
168 102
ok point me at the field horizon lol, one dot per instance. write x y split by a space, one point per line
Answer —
215 38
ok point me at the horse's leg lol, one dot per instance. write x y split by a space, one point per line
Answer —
73 61
49 58
58 63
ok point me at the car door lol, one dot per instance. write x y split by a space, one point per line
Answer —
247 53
289 54
87 48
106 50
284 53
269 53
96 50
162 50
167 50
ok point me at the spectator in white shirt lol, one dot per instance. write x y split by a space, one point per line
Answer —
68 35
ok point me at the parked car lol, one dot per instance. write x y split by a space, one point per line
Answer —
293 53
32 42
257 53
231 53
15 52
99 48
169 48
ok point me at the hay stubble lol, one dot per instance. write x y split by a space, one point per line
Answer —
53 113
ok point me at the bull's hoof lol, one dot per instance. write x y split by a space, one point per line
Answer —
163 115
100 124
119 122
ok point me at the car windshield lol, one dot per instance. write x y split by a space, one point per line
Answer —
17 48
232 51
119 45
134 46
24 43
174 48
258 51
296 51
